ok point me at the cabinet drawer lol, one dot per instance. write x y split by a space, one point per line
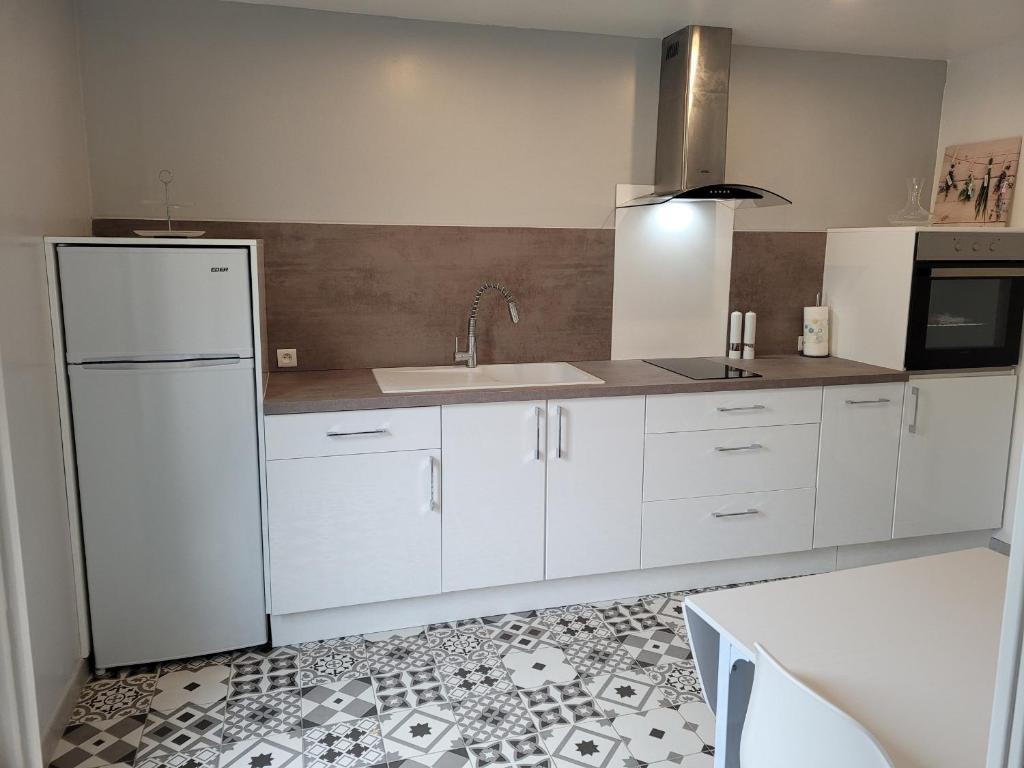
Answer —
726 410
680 465
721 527
304 435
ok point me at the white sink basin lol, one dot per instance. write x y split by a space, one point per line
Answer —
445 378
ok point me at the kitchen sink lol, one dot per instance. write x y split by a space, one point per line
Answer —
445 378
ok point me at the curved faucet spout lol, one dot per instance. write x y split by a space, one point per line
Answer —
469 356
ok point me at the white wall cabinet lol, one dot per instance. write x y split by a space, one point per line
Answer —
354 529
953 454
594 485
493 519
860 442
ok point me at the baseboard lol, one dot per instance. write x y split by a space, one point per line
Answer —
288 629
53 732
998 545
856 555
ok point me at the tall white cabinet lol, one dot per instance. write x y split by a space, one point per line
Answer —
594 485
953 453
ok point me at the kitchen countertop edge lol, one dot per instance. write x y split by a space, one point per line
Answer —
295 392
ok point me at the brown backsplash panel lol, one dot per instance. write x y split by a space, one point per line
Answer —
776 274
359 296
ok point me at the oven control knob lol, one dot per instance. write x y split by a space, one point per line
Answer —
992 245
974 246
956 246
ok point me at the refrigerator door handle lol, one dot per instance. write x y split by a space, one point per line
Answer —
158 358
127 365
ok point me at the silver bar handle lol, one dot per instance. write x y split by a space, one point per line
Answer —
877 401
737 514
751 447
432 505
559 453
357 432
916 394
742 408
537 412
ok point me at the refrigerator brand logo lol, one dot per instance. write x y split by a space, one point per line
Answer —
218 269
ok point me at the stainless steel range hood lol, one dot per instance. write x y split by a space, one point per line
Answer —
693 118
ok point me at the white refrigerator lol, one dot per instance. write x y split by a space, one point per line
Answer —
159 349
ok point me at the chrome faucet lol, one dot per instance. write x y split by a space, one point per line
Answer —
469 356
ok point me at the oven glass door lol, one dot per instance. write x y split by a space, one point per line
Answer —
964 315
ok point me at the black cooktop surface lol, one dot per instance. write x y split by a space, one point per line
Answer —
701 368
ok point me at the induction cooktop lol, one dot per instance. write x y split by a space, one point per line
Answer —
702 368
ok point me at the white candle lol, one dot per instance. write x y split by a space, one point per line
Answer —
735 335
749 331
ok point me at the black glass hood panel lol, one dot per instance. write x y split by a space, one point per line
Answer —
734 195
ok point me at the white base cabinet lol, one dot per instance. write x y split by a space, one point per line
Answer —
493 519
354 529
954 453
860 443
594 485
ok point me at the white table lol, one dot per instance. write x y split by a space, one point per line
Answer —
907 648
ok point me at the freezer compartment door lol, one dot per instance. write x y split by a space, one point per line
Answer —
126 302
170 502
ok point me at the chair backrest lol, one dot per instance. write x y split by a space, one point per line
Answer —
790 726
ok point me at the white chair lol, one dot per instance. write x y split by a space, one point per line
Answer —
790 726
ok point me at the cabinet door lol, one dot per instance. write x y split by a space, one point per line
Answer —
353 529
954 452
595 485
493 521
860 444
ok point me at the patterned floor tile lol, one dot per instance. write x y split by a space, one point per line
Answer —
187 686
427 730
132 670
698 715
597 656
276 750
452 758
399 653
699 760
540 666
658 734
112 742
264 671
187 727
519 631
655 647
626 691
329 661
351 744
249 717
460 624
205 757
492 717
393 634
678 682
525 752
552 705
337 702
113 698
411 688
465 640
593 744
572 623
669 611
463 676
630 617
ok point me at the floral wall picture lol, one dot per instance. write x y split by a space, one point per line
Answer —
977 182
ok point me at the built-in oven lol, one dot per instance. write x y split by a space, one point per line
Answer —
966 301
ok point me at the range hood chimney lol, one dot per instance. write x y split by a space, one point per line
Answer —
693 119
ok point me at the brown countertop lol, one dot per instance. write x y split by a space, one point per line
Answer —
356 390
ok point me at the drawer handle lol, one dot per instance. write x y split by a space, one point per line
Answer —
877 401
742 408
357 433
538 414
751 447
736 514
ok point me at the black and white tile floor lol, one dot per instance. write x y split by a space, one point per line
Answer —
605 685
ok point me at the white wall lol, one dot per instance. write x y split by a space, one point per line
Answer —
44 189
275 114
983 101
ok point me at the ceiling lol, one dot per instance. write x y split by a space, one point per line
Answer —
927 29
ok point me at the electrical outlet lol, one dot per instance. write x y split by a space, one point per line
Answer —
287 358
